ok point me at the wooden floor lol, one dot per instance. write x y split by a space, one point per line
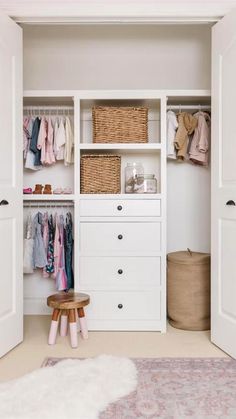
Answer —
31 353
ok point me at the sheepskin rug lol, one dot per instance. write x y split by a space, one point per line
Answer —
73 389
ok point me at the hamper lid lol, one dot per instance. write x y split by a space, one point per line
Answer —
187 257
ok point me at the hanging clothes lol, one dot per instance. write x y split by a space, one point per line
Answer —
199 149
30 156
49 153
50 249
45 240
69 251
60 140
172 125
28 265
187 124
69 142
39 253
61 278
26 136
56 245
34 142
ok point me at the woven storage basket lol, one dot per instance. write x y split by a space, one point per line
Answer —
100 173
188 290
120 124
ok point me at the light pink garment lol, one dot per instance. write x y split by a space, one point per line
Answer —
198 152
42 139
45 240
49 154
56 248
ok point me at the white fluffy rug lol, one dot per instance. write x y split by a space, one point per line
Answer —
73 389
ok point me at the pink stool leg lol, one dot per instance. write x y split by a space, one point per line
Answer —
83 325
54 327
64 323
73 329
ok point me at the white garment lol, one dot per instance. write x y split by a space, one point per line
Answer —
28 247
59 140
172 125
69 146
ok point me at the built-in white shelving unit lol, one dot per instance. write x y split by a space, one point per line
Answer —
126 278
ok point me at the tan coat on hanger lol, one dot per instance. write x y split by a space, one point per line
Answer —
187 124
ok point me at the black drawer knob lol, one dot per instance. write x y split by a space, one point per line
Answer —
230 202
4 202
119 207
120 237
120 271
120 306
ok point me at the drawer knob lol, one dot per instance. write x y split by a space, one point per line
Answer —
119 207
120 271
120 306
120 237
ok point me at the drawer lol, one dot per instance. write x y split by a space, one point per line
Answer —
124 305
120 208
116 239
120 273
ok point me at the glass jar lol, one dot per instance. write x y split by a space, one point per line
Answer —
149 184
134 177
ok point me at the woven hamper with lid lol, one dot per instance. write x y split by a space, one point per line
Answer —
188 290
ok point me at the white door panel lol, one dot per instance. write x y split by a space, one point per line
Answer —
11 296
224 184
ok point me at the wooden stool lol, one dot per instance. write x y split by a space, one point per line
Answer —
68 305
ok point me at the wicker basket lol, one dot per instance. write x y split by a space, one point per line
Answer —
100 173
120 124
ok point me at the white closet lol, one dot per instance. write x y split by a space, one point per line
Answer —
77 67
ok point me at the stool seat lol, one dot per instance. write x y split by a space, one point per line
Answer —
68 300
68 306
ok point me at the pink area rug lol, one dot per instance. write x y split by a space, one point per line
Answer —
178 388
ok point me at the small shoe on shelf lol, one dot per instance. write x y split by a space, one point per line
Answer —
27 191
47 189
58 191
67 191
38 189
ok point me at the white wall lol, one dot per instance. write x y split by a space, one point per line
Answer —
120 56
135 56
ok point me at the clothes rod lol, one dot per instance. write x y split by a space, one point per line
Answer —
48 108
45 205
195 107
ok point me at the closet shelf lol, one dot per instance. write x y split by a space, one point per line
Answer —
121 196
63 197
122 146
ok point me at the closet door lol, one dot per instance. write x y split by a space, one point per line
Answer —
223 297
11 295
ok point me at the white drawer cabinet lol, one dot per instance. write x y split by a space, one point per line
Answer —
131 238
120 208
124 306
120 273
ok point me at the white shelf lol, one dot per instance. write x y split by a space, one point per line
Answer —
39 197
121 196
122 146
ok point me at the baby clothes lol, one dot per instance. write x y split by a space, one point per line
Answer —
187 124
56 248
69 251
49 154
60 140
69 143
45 240
28 266
172 125
50 249
42 139
61 278
198 152
34 142
39 254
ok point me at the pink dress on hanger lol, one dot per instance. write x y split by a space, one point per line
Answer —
56 247
49 154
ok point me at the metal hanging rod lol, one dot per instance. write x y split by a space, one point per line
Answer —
56 108
46 205
188 107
